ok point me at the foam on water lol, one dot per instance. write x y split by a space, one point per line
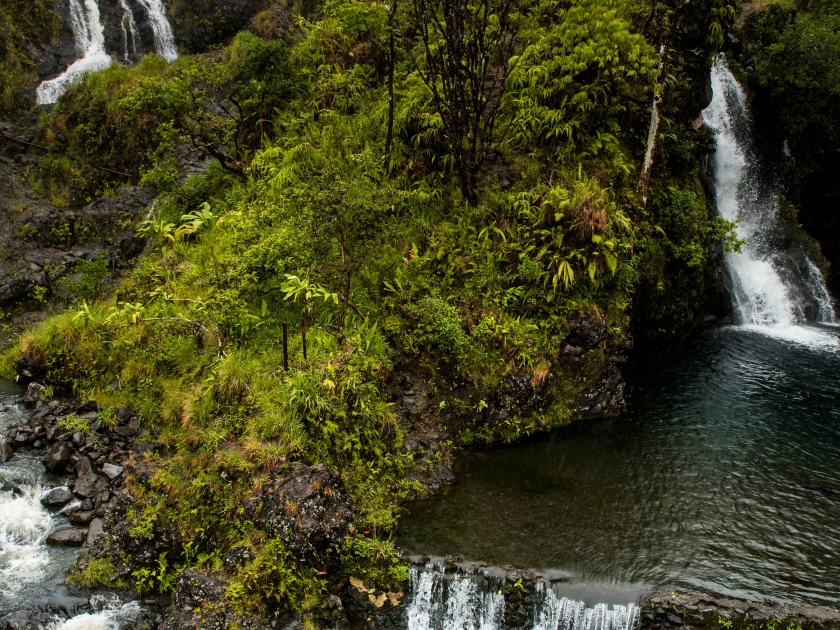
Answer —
775 291
109 616
90 40
24 524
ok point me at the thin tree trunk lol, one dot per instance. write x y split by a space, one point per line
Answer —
644 179
389 136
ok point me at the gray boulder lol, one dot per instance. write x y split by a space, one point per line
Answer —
89 481
6 452
96 529
65 537
56 498
57 456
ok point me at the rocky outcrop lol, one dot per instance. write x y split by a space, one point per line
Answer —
47 243
198 24
52 241
306 508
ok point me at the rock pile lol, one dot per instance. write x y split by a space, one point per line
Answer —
86 453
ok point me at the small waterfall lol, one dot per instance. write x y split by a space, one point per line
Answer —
130 33
776 287
474 601
442 601
164 38
90 41
561 613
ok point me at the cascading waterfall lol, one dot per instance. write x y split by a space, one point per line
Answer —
473 601
89 35
776 288
130 33
90 41
164 38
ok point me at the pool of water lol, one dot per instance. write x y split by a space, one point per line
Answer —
723 477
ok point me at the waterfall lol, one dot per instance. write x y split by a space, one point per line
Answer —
441 600
90 41
130 32
164 38
776 288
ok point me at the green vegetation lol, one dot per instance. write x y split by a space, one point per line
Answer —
796 80
498 214
23 21
98 573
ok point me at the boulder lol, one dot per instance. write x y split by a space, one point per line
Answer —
89 481
6 452
33 393
195 588
56 498
65 537
96 529
305 506
82 517
57 456
112 470
28 370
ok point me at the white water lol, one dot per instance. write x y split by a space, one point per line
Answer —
24 524
89 35
130 33
110 613
164 38
561 613
446 601
90 40
775 291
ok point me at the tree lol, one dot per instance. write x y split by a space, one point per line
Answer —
468 45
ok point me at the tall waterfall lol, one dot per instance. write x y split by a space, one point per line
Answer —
164 38
130 35
776 287
90 42
474 601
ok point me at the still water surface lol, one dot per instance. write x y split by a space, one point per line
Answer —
723 477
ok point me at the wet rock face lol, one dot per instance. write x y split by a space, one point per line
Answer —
199 602
47 242
198 24
306 507
674 611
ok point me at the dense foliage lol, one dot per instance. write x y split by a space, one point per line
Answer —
23 21
796 80
469 260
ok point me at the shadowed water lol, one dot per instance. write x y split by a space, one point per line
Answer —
722 477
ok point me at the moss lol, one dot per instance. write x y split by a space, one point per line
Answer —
98 573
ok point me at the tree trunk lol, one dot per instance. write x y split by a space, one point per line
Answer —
644 179
389 136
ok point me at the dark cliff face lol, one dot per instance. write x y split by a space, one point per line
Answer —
198 24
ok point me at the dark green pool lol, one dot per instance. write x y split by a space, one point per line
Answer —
723 477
